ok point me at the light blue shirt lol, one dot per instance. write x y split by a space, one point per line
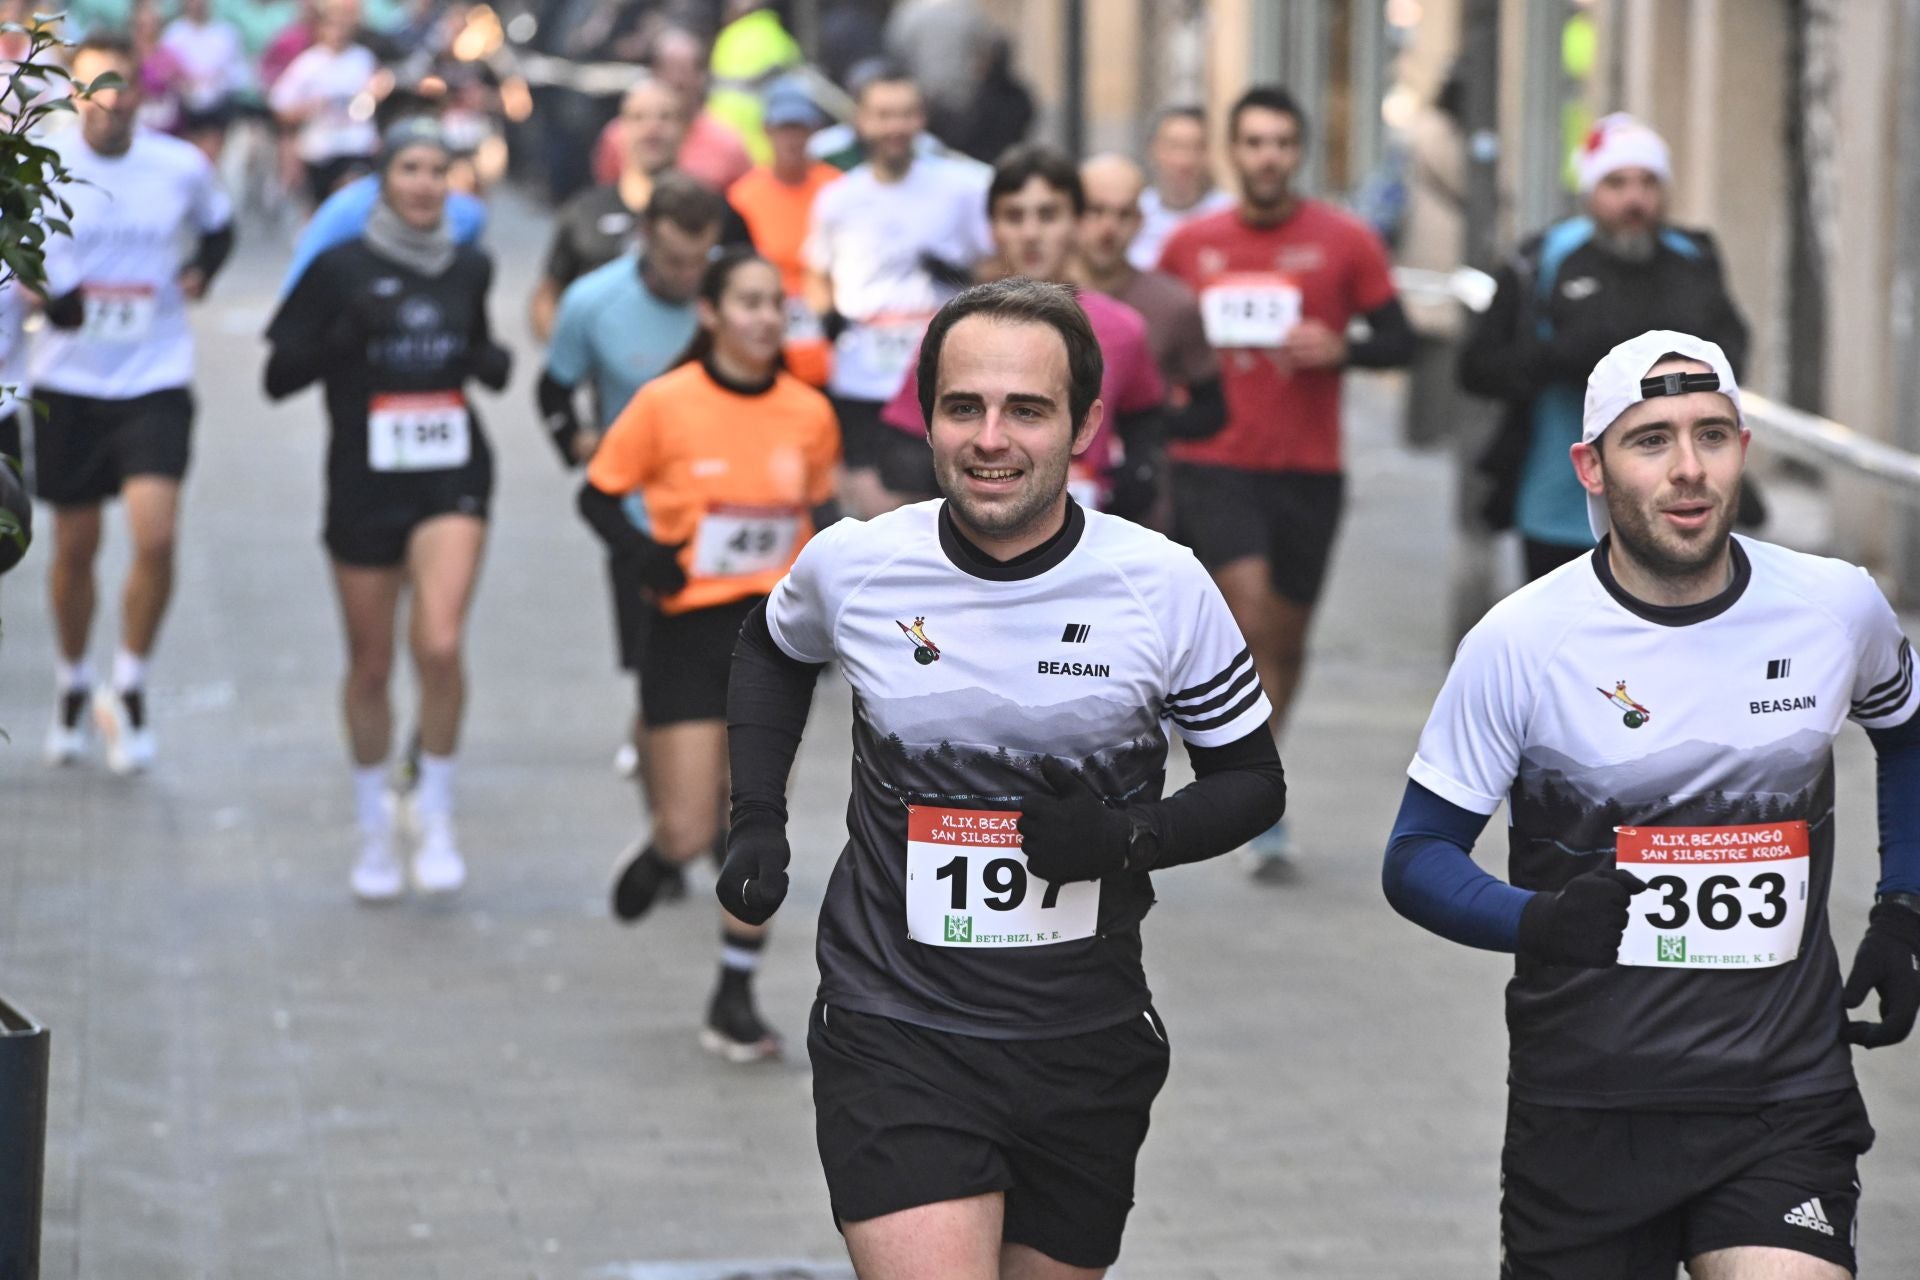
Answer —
613 330
343 217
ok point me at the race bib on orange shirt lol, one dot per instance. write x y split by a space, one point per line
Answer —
738 541
1716 897
420 431
1250 309
968 884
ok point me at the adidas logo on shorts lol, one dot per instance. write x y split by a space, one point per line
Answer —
1811 1216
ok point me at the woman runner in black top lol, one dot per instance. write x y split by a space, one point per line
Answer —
394 324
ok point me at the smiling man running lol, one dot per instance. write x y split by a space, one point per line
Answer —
985 1050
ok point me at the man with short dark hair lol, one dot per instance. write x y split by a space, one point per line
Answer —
891 240
1280 278
1566 298
1659 718
1033 205
113 378
985 1051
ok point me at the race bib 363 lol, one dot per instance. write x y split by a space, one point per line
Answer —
1716 897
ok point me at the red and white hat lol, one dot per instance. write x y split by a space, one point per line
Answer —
1619 142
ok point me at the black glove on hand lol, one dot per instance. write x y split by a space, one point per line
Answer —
67 310
753 879
1071 834
1888 961
1582 923
656 566
943 272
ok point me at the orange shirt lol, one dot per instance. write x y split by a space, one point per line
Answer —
776 216
733 476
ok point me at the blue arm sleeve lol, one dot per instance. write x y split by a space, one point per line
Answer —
466 216
1431 878
1899 792
341 217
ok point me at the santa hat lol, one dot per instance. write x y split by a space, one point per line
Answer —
1619 142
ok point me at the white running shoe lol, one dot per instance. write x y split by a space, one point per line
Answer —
437 864
122 720
68 736
377 876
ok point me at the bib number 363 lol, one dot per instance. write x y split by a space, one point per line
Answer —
1716 897
968 885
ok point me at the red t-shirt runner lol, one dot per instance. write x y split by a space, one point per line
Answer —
1254 284
1129 383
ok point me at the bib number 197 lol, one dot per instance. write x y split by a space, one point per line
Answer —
968 885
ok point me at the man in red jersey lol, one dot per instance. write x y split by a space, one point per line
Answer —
1280 279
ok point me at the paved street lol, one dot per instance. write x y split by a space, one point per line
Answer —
253 1077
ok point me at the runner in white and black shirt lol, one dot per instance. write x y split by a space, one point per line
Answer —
1659 719
984 1047
112 378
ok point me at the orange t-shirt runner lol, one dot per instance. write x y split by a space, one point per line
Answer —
733 475
776 216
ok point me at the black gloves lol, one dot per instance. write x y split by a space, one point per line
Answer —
832 325
1888 961
67 310
1581 924
1071 834
656 566
951 275
753 880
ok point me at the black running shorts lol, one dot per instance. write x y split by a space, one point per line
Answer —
84 448
371 517
860 431
1593 1194
683 672
905 463
1287 518
908 1116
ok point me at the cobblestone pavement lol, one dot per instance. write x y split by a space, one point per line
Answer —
253 1077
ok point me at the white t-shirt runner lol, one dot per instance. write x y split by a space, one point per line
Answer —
334 82
1092 653
136 219
1695 748
869 237
213 58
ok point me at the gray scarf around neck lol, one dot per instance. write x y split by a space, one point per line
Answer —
428 252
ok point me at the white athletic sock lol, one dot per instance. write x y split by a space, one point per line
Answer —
129 671
370 798
68 676
434 799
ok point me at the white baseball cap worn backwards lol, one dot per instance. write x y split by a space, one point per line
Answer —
1623 379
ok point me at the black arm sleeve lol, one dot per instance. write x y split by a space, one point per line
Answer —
303 336
1502 361
1141 429
1204 415
1238 791
558 415
215 247
1389 345
488 363
603 514
768 697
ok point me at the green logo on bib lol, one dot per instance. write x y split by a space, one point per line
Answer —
1671 948
959 928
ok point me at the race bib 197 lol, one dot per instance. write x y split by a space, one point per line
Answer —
1716 897
968 884
737 541
118 312
424 431
1250 310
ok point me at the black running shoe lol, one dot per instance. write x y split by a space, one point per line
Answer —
644 878
734 1030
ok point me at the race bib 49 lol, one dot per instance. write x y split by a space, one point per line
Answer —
968 884
1716 897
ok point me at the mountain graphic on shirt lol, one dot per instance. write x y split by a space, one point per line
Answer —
1564 806
979 718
